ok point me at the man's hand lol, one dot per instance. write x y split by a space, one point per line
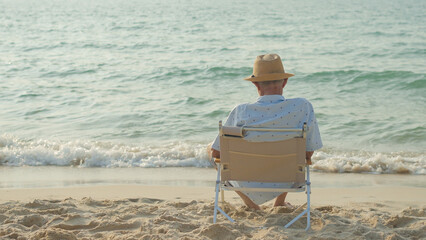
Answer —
213 154
308 157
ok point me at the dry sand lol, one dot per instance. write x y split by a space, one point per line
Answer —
168 212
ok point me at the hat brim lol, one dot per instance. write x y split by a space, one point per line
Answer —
269 77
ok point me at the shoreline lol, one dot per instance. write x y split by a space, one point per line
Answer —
59 177
395 197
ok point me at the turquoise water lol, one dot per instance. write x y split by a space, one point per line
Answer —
144 83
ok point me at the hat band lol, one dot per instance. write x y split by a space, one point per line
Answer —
269 77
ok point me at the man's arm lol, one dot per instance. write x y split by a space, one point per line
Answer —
215 153
308 157
212 152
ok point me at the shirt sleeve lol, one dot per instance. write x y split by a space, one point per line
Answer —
313 137
230 121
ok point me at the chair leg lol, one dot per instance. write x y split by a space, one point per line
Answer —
301 207
307 211
308 196
308 221
217 208
216 202
296 218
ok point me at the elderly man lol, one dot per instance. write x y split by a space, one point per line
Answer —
274 111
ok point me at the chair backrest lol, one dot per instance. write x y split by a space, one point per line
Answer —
278 161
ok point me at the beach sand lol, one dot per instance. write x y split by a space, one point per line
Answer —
183 212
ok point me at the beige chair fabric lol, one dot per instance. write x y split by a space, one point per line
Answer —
280 161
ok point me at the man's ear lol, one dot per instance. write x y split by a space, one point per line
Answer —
285 82
257 85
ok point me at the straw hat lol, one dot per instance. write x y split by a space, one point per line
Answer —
268 67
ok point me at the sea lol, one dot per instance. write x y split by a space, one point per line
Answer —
137 85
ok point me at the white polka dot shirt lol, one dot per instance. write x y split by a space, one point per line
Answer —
274 111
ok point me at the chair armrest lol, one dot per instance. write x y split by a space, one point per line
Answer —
308 162
217 160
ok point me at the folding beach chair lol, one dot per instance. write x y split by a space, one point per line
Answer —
281 161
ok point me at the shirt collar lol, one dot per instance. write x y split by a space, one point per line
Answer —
271 99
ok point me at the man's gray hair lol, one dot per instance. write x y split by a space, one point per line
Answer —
267 84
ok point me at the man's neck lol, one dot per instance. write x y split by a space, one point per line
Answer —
264 93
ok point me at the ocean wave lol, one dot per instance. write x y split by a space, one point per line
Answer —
412 80
40 152
333 161
67 73
87 154
219 72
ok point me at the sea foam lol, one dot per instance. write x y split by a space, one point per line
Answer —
41 152
369 162
21 152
